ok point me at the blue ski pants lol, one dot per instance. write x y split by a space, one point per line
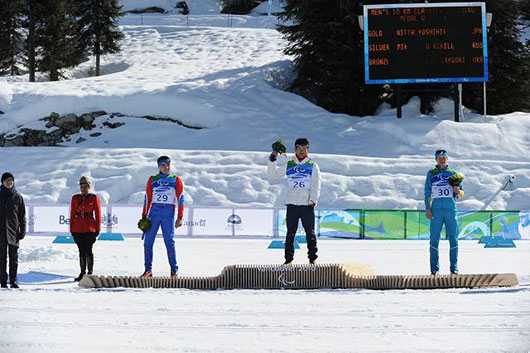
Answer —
161 215
447 217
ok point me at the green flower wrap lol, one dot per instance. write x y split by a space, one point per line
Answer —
279 147
455 180
144 224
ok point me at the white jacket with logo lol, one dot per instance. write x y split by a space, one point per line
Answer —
301 196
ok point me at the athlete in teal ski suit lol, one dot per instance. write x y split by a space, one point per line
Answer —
440 208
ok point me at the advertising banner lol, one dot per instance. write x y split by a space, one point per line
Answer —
51 219
340 224
248 222
282 224
122 219
353 224
213 221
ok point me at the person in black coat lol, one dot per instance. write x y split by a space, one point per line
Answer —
12 228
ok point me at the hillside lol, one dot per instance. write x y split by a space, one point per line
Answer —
219 93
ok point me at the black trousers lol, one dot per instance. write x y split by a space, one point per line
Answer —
84 242
12 250
307 215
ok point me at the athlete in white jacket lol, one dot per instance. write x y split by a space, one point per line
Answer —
304 190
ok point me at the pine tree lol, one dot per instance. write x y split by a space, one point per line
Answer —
99 31
30 24
56 37
525 13
11 38
326 42
508 88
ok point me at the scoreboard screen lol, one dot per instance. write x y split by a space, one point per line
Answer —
437 42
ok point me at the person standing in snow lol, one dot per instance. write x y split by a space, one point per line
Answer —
440 208
303 176
85 225
12 228
163 196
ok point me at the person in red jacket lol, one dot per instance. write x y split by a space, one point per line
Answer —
85 224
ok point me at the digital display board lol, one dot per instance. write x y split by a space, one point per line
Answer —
439 42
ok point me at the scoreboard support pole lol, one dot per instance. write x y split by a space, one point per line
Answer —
484 99
460 107
398 102
453 90
456 98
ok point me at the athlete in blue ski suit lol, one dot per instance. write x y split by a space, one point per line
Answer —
163 195
440 208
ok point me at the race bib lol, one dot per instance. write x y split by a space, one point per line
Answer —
300 183
299 175
439 191
164 195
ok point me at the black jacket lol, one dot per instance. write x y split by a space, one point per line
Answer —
12 218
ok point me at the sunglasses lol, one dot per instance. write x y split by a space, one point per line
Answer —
441 152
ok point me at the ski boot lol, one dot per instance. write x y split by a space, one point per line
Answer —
147 274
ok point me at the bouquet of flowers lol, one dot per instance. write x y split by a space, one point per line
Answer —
279 147
144 224
455 180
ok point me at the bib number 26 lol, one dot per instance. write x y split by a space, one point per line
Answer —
299 185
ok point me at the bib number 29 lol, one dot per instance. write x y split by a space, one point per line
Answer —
161 198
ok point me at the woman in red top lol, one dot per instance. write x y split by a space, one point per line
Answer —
85 224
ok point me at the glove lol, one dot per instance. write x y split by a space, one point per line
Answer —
144 224
273 157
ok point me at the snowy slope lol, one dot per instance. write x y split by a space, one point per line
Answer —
196 7
49 175
229 81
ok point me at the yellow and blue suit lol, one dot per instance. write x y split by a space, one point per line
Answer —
441 200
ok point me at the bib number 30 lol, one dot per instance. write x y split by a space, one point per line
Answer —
443 192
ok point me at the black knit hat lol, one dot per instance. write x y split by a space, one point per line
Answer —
7 175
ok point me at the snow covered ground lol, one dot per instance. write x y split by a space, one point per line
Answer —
63 317
229 81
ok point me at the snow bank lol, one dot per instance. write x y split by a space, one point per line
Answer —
223 178
226 81
197 7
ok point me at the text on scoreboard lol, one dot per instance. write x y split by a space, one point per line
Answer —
410 43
